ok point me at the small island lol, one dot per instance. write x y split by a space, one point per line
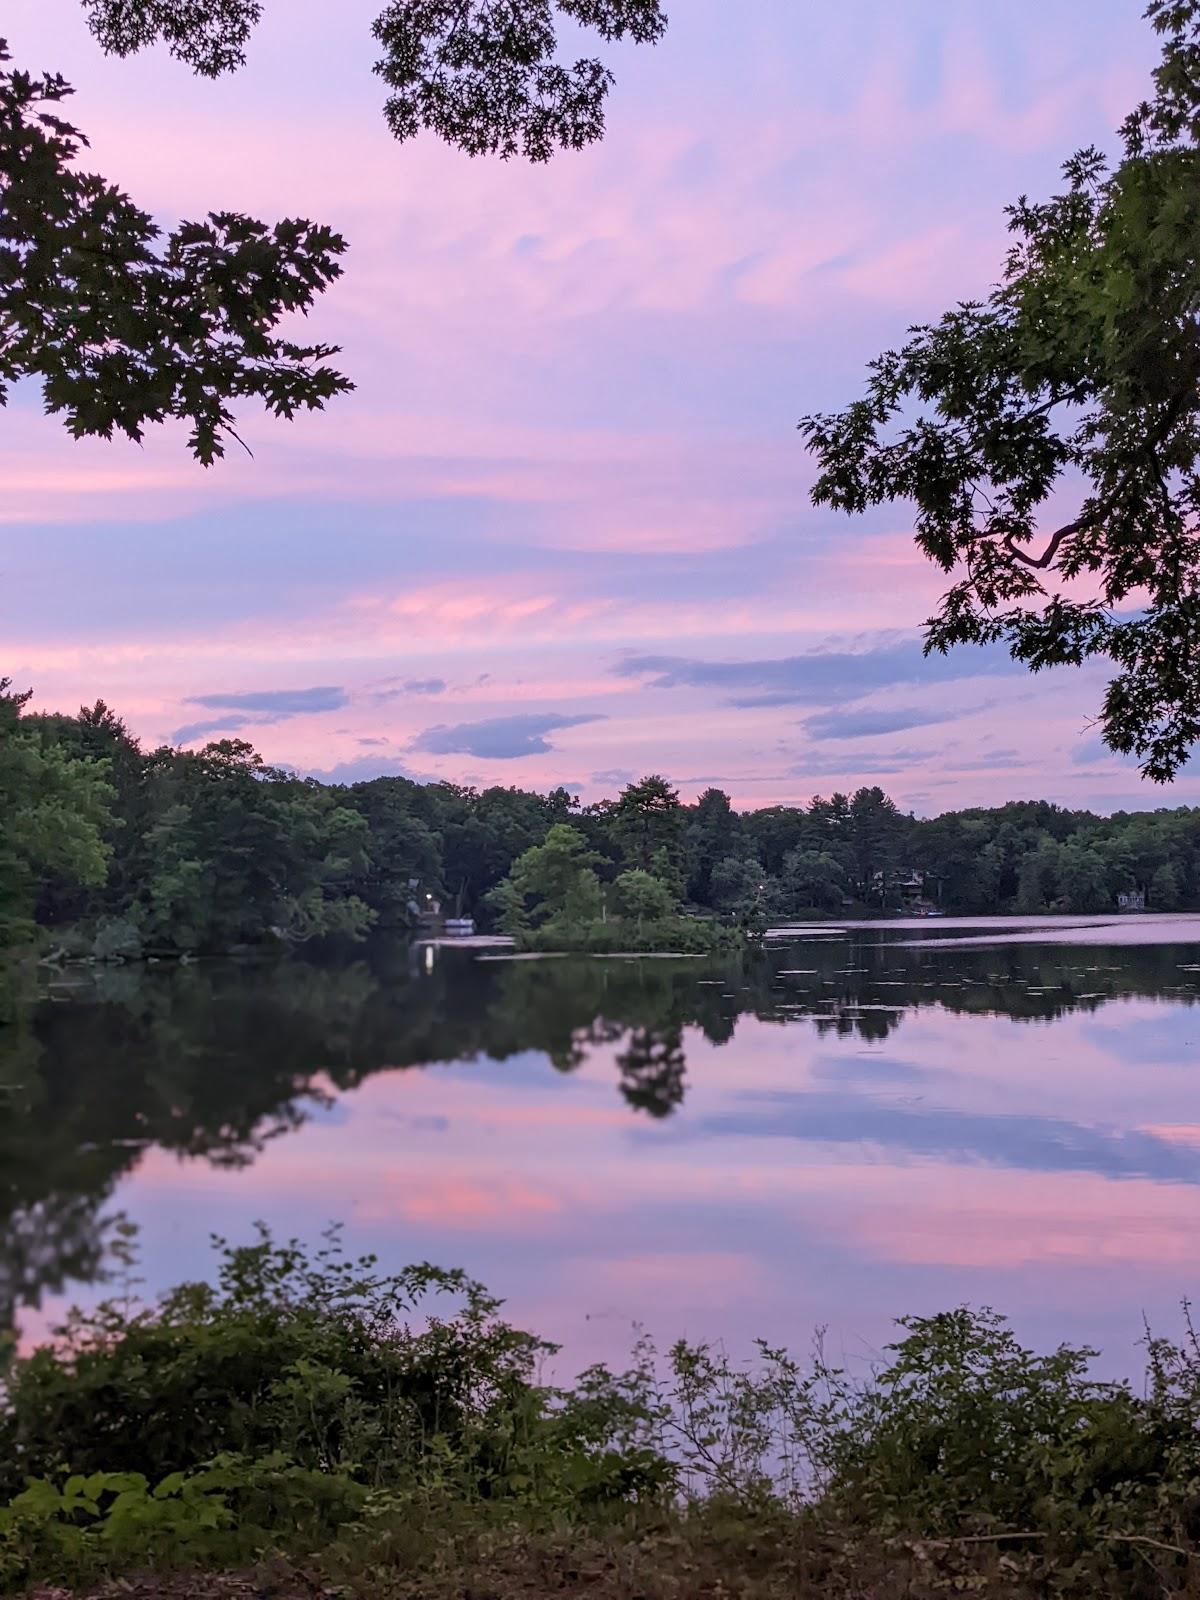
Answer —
553 900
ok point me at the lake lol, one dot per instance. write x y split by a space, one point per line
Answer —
847 1125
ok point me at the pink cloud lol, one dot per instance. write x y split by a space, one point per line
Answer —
1016 1220
454 1201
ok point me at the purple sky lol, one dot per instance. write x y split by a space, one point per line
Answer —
560 533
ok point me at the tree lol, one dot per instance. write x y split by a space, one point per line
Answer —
711 834
1082 367
873 831
647 820
737 887
55 811
510 914
482 835
404 861
1166 889
959 868
812 879
559 877
1082 880
642 898
125 327
240 853
1037 885
775 830
484 74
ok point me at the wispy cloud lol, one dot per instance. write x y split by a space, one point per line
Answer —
825 676
855 764
402 689
191 731
281 702
868 724
257 708
499 738
1001 760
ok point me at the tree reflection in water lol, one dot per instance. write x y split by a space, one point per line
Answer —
213 1061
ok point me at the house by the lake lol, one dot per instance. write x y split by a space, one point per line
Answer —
1131 900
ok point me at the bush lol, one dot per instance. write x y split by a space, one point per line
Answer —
117 939
316 1406
313 1358
222 1514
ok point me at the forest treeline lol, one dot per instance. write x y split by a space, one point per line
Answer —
175 850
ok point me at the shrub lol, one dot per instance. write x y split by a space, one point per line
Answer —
313 1404
313 1358
116 939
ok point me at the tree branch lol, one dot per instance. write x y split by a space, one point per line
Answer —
1090 519
1080 525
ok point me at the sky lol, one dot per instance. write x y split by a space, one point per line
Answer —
560 533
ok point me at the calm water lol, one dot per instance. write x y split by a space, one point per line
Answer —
848 1126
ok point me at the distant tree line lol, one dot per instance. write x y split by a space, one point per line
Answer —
173 851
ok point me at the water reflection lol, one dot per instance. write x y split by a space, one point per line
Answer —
851 1109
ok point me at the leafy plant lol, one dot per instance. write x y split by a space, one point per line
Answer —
318 1407
314 1358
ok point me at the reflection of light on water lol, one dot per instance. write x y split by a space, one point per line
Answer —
428 958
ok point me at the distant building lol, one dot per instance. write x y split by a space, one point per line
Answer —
426 912
908 889
1131 900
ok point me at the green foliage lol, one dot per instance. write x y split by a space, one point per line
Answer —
54 810
311 1358
556 881
711 834
640 898
1081 365
296 1407
647 820
1166 888
297 1395
963 1436
238 853
212 850
737 887
553 900
813 879
221 1514
117 939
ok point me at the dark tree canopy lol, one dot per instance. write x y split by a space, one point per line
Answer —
1049 437
485 75
124 326
209 35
